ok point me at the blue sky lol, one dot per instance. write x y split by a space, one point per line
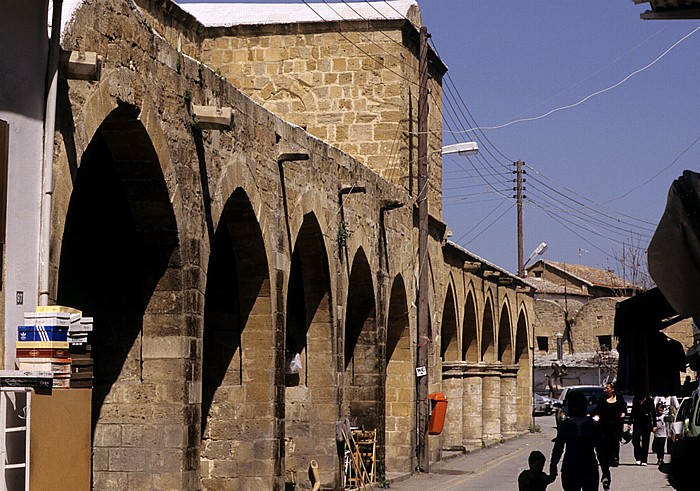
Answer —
597 173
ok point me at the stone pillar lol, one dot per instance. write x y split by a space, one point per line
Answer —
472 404
509 409
452 382
491 406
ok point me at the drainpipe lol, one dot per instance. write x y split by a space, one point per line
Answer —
47 164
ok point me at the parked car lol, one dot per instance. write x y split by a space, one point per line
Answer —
541 405
693 421
679 424
592 392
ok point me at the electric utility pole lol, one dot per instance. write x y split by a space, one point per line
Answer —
423 287
519 196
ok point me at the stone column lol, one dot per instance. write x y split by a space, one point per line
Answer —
472 406
491 405
509 409
452 382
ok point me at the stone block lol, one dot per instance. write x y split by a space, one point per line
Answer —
107 435
110 481
127 459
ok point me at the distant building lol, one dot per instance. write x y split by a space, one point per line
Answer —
574 321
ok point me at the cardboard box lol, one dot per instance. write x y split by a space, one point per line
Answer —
58 308
41 353
61 383
23 378
47 319
45 366
60 440
42 333
42 344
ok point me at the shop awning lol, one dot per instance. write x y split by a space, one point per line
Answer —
650 361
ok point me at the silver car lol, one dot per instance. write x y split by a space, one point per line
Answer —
541 405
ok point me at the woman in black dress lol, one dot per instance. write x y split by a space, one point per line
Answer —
610 411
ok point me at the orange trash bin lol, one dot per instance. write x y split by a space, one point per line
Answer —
438 408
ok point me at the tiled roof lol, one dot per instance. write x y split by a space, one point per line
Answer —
545 286
593 276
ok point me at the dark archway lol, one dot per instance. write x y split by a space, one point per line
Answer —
362 355
238 346
470 348
488 354
505 345
120 263
400 388
449 344
311 395
524 378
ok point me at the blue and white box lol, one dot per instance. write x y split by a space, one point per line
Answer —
42 333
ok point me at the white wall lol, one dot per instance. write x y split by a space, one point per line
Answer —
23 60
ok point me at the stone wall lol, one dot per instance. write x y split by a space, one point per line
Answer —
205 256
353 85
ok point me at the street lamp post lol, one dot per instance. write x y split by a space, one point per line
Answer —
423 338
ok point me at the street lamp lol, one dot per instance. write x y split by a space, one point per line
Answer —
539 250
466 148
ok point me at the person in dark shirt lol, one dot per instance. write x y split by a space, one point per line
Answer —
582 438
643 420
610 411
534 479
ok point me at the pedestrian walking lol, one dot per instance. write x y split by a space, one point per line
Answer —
534 478
643 420
611 411
579 439
658 444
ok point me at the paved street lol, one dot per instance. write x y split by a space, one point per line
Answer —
496 468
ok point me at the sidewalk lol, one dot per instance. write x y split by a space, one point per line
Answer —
497 468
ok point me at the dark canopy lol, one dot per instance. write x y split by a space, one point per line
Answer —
650 361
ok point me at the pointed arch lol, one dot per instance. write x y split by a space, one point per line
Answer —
521 338
449 343
238 338
470 344
310 394
505 345
400 391
362 380
120 260
488 354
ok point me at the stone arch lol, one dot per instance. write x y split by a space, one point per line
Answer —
524 377
310 393
449 343
505 345
488 352
238 348
400 389
522 351
362 373
470 345
120 263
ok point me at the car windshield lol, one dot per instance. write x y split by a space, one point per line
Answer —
684 409
593 394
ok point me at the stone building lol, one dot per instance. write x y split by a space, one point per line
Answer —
575 310
213 241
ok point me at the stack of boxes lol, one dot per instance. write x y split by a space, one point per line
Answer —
55 339
80 352
42 345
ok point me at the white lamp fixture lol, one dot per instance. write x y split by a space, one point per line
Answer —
464 148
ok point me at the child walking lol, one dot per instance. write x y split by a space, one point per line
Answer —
534 479
659 442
